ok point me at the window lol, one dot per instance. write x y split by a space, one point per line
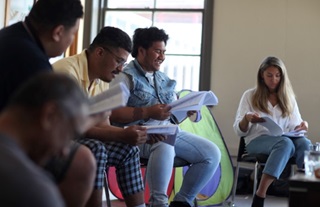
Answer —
17 10
183 21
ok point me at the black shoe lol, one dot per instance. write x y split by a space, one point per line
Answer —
179 204
257 201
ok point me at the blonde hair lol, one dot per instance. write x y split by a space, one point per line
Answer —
284 92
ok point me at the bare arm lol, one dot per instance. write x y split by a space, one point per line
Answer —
132 135
131 114
249 117
244 124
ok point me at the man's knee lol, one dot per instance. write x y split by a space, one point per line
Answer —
84 164
77 186
82 170
136 199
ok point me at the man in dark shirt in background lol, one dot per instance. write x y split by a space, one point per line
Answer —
59 111
24 51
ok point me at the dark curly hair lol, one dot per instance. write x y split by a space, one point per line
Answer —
144 37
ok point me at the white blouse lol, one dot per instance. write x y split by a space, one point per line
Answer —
255 130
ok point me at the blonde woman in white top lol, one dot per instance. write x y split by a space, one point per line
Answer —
272 97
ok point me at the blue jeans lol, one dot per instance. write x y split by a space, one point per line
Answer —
189 148
280 149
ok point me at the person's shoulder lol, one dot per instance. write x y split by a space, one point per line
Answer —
130 66
249 91
13 29
121 77
164 76
44 191
128 70
15 38
15 34
21 173
16 159
67 61
41 190
72 65
19 49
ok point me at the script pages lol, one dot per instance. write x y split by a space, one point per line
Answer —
115 97
168 130
276 130
193 101
162 129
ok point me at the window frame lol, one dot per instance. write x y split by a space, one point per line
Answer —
95 13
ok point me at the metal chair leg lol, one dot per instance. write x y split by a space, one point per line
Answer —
255 179
195 202
106 189
235 183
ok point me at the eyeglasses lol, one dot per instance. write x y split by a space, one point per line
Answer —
120 61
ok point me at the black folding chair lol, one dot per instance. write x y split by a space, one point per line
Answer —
244 160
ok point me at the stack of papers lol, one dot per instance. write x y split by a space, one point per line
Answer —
193 101
170 131
276 130
162 129
115 97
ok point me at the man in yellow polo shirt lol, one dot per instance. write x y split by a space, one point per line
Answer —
94 68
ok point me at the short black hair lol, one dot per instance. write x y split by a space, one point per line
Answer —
49 87
144 37
112 37
47 14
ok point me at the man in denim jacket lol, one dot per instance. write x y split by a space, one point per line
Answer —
150 92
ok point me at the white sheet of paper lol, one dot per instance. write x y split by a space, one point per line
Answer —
295 133
162 129
193 101
110 99
169 130
273 127
276 130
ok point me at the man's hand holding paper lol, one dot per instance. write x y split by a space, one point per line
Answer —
254 117
135 135
159 111
165 133
154 138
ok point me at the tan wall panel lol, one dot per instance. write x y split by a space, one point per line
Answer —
247 31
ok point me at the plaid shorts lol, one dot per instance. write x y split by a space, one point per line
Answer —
125 158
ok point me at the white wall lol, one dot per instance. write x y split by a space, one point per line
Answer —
245 32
